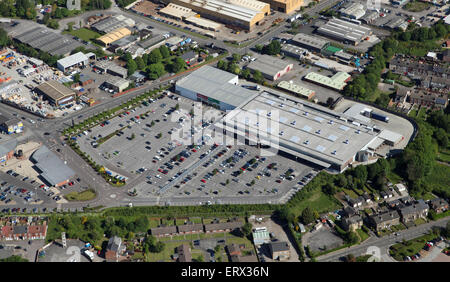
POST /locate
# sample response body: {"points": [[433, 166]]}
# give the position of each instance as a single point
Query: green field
{"points": [[362, 235], [444, 155], [84, 34], [319, 201], [81, 196], [416, 6], [438, 177]]}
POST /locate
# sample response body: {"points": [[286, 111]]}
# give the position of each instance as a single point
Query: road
{"points": [[384, 242]]}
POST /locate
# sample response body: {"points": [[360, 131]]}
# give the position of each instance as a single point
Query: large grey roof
{"points": [[268, 65], [53, 169], [8, 147], [278, 246], [214, 83], [309, 40], [73, 59], [344, 30]]}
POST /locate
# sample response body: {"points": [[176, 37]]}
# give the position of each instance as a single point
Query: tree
{"points": [[360, 172], [329, 189], [259, 48], [140, 63], [164, 50], [308, 215], [350, 258], [245, 73], [247, 229], [257, 76], [155, 56], [131, 66], [157, 247], [154, 71], [273, 48], [4, 39], [178, 65]]}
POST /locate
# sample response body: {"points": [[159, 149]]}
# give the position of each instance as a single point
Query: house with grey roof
{"points": [[383, 220], [279, 250], [113, 248], [163, 231], [439, 205], [414, 211], [353, 222]]}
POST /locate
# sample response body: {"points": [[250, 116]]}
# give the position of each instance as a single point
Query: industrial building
{"points": [[56, 93], [152, 43], [116, 83], [112, 23], [370, 17], [354, 11], [284, 6], [297, 89], [310, 42], [399, 23], [344, 57], [293, 51], [7, 150], [336, 82], [300, 130], [215, 87], [344, 31], [10, 125], [113, 36], [111, 68], [270, 67], [176, 12], [203, 23], [244, 14], [52, 169], [77, 59], [123, 43], [44, 39]]}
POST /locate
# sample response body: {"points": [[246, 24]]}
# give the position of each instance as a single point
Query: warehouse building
{"points": [[176, 12], [111, 68], [271, 68], [51, 168], [123, 43], [241, 13], [293, 51], [347, 32], [116, 83], [336, 82], [56, 93], [344, 57], [354, 11], [370, 17], [113, 36], [299, 130], [310, 42], [44, 39], [298, 90], [75, 60], [112, 23], [399, 23], [284, 6], [7, 150], [214, 87], [203, 23], [152, 43]]}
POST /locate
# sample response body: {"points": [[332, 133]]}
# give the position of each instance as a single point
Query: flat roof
{"points": [[55, 90], [113, 22], [337, 81], [175, 10], [205, 23], [54, 170], [268, 64], [344, 30], [116, 81], [317, 135], [73, 60], [309, 40], [390, 136], [215, 83], [355, 112], [151, 41], [297, 89]]}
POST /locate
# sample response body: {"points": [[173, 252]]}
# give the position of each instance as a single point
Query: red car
{"points": [[42, 186], [278, 180], [160, 170], [137, 117], [165, 171], [71, 183], [203, 180], [102, 124], [193, 150]]}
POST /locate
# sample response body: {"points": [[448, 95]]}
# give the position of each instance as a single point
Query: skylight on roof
{"points": [[343, 127], [307, 128], [295, 139], [332, 138], [270, 102], [283, 119], [320, 148], [319, 119], [294, 110]]}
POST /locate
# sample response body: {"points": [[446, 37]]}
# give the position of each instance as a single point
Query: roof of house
{"points": [[163, 230], [188, 55], [190, 227], [238, 258], [223, 226], [380, 218], [20, 229], [278, 246], [417, 207], [184, 253], [114, 244], [438, 202], [233, 248]]}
